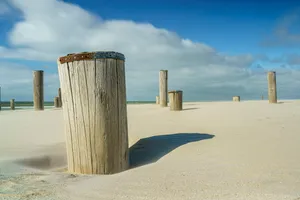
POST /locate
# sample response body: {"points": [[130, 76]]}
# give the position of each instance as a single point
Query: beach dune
{"points": [[209, 150]]}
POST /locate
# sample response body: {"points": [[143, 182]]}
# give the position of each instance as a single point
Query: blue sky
{"points": [[230, 37]]}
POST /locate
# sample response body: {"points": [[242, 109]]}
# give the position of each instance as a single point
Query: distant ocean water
{"points": [[5, 105]]}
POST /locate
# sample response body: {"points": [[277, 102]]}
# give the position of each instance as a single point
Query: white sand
{"points": [[254, 154]]}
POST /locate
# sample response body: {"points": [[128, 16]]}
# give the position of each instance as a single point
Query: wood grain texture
{"points": [[95, 115], [163, 88], [59, 97], [12, 104], [236, 98], [175, 100], [157, 99], [272, 91], [38, 90], [56, 102]]}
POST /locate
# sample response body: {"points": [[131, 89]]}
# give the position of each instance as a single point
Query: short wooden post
{"points": [[59, 98], [157, 99], [163, 88], [95, 112], [272, 91], [262, 97], [175, 100], [38, 90], [236, 98], [12, 104], [56, 102]]}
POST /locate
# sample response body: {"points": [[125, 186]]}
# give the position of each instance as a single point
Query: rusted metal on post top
{"points": [[90, 56], [175, 91]]}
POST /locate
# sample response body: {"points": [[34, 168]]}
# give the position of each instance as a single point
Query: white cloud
{"points": [[52, 28], [284, 35]]}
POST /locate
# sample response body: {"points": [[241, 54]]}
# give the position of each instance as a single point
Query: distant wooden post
{"points": [[175, 99], [236, 98], [12, 104], [56, 102], [262, 97], [163, 88], [272, 91], [59, 98], [157, 99], [95, 112], [0, 100], [38, 90]]}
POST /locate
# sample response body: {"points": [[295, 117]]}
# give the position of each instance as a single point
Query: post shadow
{"points": [[190, 108], [151, 149]]}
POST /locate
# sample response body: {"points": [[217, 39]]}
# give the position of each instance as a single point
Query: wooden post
{"points": [[38, 90], [95, 112], [175, 99], [272, 91], [0, 100], [236, 98], [157, 99], [163, 88], [56, 102], [59, 98], [12, 104], [262, 97]]}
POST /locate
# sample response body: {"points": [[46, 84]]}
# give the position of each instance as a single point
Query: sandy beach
{"points": [[210, 150]]}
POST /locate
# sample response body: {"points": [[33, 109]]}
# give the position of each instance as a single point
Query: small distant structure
{"points": [[56, 102], [175, 100], [12, 104], [236, 98], [262, 97], [157, 99], [59, 98]]}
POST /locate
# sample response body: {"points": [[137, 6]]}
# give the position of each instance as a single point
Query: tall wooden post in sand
{"points": [[56, 102], [272, 91], [157, 99], [38, 90], [59, 98], [163, 88], [236, 98], [175, 99], [95, 114], [12, 104]]}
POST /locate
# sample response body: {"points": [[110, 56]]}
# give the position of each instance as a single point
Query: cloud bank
{"points": [[52, 28]]}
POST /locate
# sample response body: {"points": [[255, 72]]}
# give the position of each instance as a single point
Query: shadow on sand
{"points": [[151, 149], [145, 151], [190, 108]]}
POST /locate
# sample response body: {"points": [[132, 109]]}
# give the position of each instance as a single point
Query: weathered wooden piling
{"points": [[236, 98], [163, 88], [272, 91], [175, 100], [95, 113], [59, 98], [157, 99], [12, 104], [38, 90], [56, 102]]}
